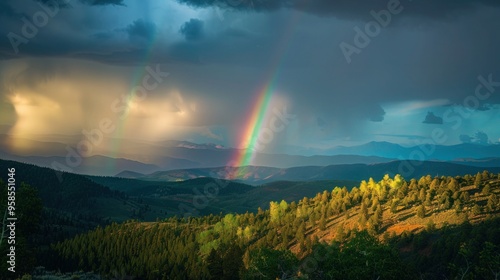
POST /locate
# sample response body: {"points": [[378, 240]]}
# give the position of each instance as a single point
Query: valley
{"points": [[197, 223]]}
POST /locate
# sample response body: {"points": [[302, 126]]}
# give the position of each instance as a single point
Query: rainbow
{"points": [[137, 77], [251, 131], [259, 108], [121, 126]]}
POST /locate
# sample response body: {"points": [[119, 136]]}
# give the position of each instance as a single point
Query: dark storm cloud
{"points": [[484, 107], [141, 29], [38, 72], [102, 2], [440, 59], [31, 28], [87, 2], [235, 32], [6, 9], [376, 113], [256, 5], [465, 138], [479, 138], [348, 8], [432, 119], [192, 29]]}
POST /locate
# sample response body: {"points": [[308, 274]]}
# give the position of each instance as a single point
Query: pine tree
{"points": [[431, 226], [486, 189], [428, 199], [379, 212], [421, 211], [340, 234], [457, 205], [394, 206], [477, 181], [322, 223], [453, 185], [492, 203], [308, 244], [375, 203], [476, 210], [422, 195], [364, 211], [447, 202], [274, 212], [214, 265], [465, 197], [300, 234], [232, 262]]}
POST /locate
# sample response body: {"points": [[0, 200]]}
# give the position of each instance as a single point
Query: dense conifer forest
{"points": [[426, 228]]}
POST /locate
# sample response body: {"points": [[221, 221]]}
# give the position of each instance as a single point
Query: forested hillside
{"points": [[430, 228], [72, 203]]}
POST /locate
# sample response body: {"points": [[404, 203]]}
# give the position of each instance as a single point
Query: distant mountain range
{"points": [[430, 151], [136, 158], [350, 172], [482, 162], [93, 165]]}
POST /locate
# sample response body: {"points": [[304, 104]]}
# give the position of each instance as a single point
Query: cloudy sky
{"points": [[349, 72]]}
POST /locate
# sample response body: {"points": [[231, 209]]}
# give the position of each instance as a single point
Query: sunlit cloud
{"points": [[69, 100], [412, 107]]}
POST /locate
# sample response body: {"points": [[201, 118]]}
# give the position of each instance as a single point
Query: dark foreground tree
{"points": [[267, 263], [361, 257]]}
